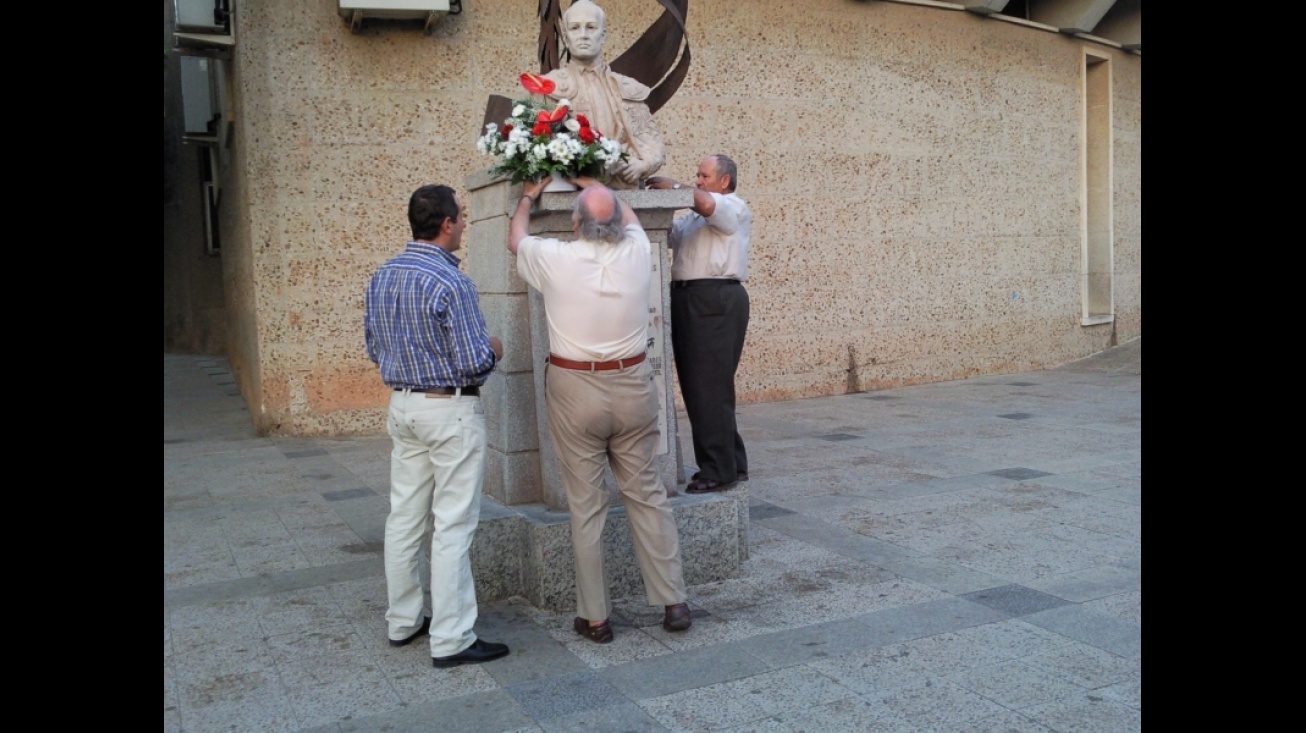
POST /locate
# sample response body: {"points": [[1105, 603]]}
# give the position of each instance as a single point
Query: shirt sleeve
{"points": [[370, 342], [369, 338], [460, 316], [637, 233], [528, 261], [725, 219]]}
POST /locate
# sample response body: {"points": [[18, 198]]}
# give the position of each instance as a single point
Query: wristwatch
{"points": [[676, 185]]}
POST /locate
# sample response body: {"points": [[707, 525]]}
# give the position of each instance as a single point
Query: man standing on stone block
{"points": [[709, 317], [601, 397], [424, 329]]}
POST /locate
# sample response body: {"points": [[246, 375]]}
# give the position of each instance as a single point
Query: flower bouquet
{"points": [[537, 142]]}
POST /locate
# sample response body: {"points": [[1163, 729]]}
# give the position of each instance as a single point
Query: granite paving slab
{"points": [[892, 583]]}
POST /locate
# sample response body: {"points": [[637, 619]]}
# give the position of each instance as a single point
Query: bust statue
{"points": [[613, 103]]}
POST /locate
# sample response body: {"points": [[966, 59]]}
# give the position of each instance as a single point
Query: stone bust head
{"points": [[584, 27]]}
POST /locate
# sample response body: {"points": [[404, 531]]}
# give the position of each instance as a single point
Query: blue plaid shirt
{"points": [[423, 323]]}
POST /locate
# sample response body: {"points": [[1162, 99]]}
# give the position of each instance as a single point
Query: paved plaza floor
{"points": [[959, 556]]}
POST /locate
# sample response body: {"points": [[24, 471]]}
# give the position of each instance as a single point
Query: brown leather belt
{"points": [[596, 366]]}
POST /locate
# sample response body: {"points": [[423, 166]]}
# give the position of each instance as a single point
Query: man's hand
{"points": [[497, 346], [533, 188], [583, 181], [660, 182]]}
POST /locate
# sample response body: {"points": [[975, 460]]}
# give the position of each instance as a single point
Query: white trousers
{"points": [[436, 470]]}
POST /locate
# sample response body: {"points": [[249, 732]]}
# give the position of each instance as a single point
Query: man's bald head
{"points": [[597, 215]]}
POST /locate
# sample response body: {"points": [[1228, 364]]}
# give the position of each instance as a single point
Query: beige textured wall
{"points": [[913, 173]]}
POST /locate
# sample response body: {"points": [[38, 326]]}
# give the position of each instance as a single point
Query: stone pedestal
{"points": [[524, 542]]}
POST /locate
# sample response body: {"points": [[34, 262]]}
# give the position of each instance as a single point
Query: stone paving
{"points": [[960, 556]]}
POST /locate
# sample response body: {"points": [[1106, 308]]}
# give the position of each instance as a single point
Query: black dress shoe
{"points": [[706, 486], [426, 629], [743, 475], [479, 651]]}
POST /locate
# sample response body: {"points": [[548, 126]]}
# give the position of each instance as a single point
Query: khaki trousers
{"points": [[610, 418]]}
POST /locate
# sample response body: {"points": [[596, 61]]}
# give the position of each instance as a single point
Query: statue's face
{"points": [[585, 32]]}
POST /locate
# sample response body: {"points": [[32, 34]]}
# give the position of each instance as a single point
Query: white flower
{"points": [[572, 125], [519, 110], [611, 150], [491, 127], [560, 151], [564, 102]]}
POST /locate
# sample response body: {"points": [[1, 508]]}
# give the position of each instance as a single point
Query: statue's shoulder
{"points": [[566, 85], [631, 90], [563, 81]]}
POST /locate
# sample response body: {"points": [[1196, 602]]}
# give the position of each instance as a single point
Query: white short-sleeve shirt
{"points": [[712, 247], [596, 294]]}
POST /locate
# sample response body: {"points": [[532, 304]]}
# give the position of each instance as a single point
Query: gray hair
{"points": [[590, 228], [726, 167]]}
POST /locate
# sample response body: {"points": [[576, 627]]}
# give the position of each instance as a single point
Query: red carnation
{"points": [[505, 130], [587, 135], [541, 128], [583, 122]]}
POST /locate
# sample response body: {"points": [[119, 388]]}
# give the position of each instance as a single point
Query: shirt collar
{"points": [[433, 251]]}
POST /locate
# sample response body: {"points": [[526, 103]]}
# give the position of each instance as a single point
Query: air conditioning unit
{"points": [[428, 11]]}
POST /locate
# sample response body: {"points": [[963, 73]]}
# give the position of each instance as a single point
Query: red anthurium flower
{"points": [[541, 128], [557, 115], [587, 135], [536, 84]]}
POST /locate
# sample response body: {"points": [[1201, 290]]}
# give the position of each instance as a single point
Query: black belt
{"points": [[705, 281], [472, 391]]}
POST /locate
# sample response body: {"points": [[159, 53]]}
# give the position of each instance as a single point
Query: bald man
{"points": [[600, 394]]}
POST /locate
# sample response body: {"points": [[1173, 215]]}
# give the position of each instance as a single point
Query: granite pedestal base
{"points": [[525, 550]]}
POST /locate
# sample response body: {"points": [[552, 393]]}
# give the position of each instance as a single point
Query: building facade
{"points": [[940, 190]]}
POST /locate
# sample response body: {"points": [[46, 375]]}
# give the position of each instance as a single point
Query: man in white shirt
{"points": [[601, 396], [709, 317]]}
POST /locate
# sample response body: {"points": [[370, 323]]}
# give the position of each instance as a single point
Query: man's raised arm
{"points": [[520, 226]]}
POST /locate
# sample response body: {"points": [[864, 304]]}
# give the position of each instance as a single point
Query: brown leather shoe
{"points": [[601, 633], [677, 618]]}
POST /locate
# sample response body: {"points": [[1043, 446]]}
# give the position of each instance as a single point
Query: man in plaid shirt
{"points": [[424, 328]]}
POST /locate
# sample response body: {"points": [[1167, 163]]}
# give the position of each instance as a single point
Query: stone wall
{"points": [[914, 174]]}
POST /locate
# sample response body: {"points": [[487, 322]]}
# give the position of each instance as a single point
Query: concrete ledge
{"points": [[525, 550]]}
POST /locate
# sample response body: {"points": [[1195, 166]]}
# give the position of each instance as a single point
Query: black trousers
{"points": [[708, 322]]}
